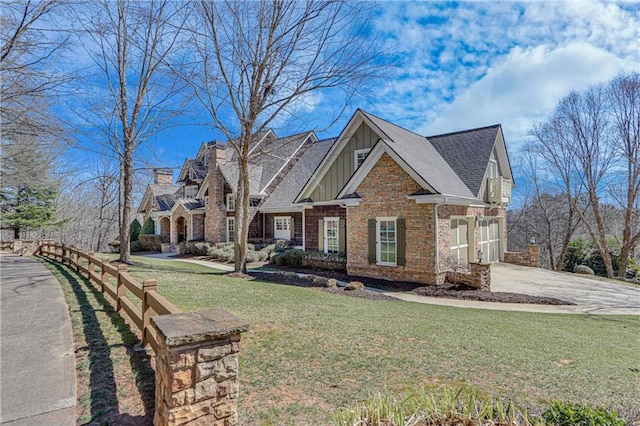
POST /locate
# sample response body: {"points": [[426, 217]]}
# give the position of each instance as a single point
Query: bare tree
{"points": [[30, 47], [591, 143], [624, 93], [555, 187], [130, 42], [259, 61]]}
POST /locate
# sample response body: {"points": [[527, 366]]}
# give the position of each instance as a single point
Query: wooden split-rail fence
{"points": [[116, 282]]}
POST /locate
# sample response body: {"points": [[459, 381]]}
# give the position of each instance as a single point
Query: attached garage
{"points": [[489, 240]]}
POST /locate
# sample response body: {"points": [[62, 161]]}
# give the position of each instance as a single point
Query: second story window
{"points": [[190, 191], [231, 202]]}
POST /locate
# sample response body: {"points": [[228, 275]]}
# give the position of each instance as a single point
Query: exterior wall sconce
{"points": [[532, 240], [479, 217], [480, 256]]}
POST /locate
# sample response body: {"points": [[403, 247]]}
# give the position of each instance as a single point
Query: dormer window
{"points": [[190, 191], [358, 157], [231, 202]]}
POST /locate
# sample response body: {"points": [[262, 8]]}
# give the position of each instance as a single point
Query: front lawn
{"points": [[309, 353]]}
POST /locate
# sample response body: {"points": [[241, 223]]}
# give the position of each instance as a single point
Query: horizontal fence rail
{"points": [[140, 301]]}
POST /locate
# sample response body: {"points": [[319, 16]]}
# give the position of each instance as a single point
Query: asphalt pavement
{"points": [[37, 360]]}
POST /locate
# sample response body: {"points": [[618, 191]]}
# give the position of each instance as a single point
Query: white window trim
{"points": [[275, 226], [379, 244], [355, 156], [229, 198], [326, 239], [189, 191], [230, 234], [468, 246]]}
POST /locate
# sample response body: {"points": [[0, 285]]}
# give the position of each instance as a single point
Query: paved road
{"points": [[590, 295], [37, 362]]}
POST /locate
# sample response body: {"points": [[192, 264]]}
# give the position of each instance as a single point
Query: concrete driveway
{"points": [[591, 296]]}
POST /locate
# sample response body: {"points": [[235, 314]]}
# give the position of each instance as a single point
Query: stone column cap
{"points": [[200, 326]]}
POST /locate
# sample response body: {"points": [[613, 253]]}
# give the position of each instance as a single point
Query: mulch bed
{"points": [[449, 291]]}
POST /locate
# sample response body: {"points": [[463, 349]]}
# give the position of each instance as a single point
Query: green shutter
{"points": [[371, 234], [400, 241], [342, 233], [320, 235]]}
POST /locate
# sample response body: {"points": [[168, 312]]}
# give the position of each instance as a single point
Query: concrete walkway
{"points": [[37, 360]]}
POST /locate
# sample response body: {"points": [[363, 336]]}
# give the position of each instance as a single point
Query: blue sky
{"points": [[464, 65]]}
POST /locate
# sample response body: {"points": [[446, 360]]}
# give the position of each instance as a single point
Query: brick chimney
{"points": [[162, 176], [215, 222]]}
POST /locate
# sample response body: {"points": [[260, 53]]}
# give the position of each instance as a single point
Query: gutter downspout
{"points": [[437, 234]]}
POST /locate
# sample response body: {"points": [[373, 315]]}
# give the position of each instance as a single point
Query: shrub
{"points": [[290, 275], [320, 281], [114, 246], [569, 414], [331, 283], [134, 231], [135, 246], [434, 407], [148, 228], [150, 242], [199, 248], [290, 258], [253, 256], [354, 285]]}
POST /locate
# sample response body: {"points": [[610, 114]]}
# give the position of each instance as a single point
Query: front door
{"points": [[331, 241], [282, 228]]}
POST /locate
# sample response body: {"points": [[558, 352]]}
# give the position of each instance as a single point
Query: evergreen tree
{"points": [[29, 209]]}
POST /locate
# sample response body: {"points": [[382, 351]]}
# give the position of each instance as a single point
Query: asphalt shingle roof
{"points": [[287, 191], [419, 154], [265, 163], [467, 153]]}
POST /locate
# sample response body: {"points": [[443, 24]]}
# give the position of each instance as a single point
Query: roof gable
{"points": [[468, 153]]}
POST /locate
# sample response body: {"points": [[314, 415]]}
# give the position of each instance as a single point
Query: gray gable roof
{"points": [[468, 153], [166, 201], [265, 163], [286, 192], [419, 154]]}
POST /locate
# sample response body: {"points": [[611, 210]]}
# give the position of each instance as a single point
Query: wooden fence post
{"points": [[121, 290], [104, 277], [147, 285]]}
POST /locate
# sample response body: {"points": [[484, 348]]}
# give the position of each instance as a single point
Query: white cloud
{"points": [[525, 86]]}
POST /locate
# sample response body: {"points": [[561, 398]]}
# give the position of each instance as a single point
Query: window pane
{"points": [[454, 232], [463, 236]]}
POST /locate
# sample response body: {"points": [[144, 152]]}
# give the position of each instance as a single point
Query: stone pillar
{"points": [[481, 273], [197, 368], [533, 254], [17, 247]]}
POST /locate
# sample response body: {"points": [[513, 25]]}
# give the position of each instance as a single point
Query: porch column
{"points": [[171, 239], [304, 228]]}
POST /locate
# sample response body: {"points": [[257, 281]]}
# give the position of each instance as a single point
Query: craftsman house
{"points": [[398, 205]]}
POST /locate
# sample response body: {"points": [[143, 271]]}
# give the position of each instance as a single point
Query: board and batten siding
{"points": [[342, 169]]}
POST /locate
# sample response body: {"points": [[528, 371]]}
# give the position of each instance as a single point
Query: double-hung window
{"points": [[231, 202], [387, 246], [460, 242], [231, 225]]}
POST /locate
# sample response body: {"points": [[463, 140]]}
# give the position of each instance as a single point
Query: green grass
{"points": [[115, 384], [309, 353]]}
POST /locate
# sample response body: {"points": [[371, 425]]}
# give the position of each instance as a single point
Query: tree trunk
{"points": [[242, 205], [127, 183]]}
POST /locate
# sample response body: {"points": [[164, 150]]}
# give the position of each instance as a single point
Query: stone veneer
{"points": [[215, 228], [384, 193], [479, 276], [529, 257], [197, 368]]}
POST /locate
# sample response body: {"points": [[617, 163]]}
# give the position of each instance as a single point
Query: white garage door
{"points": [[490, 240]]}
